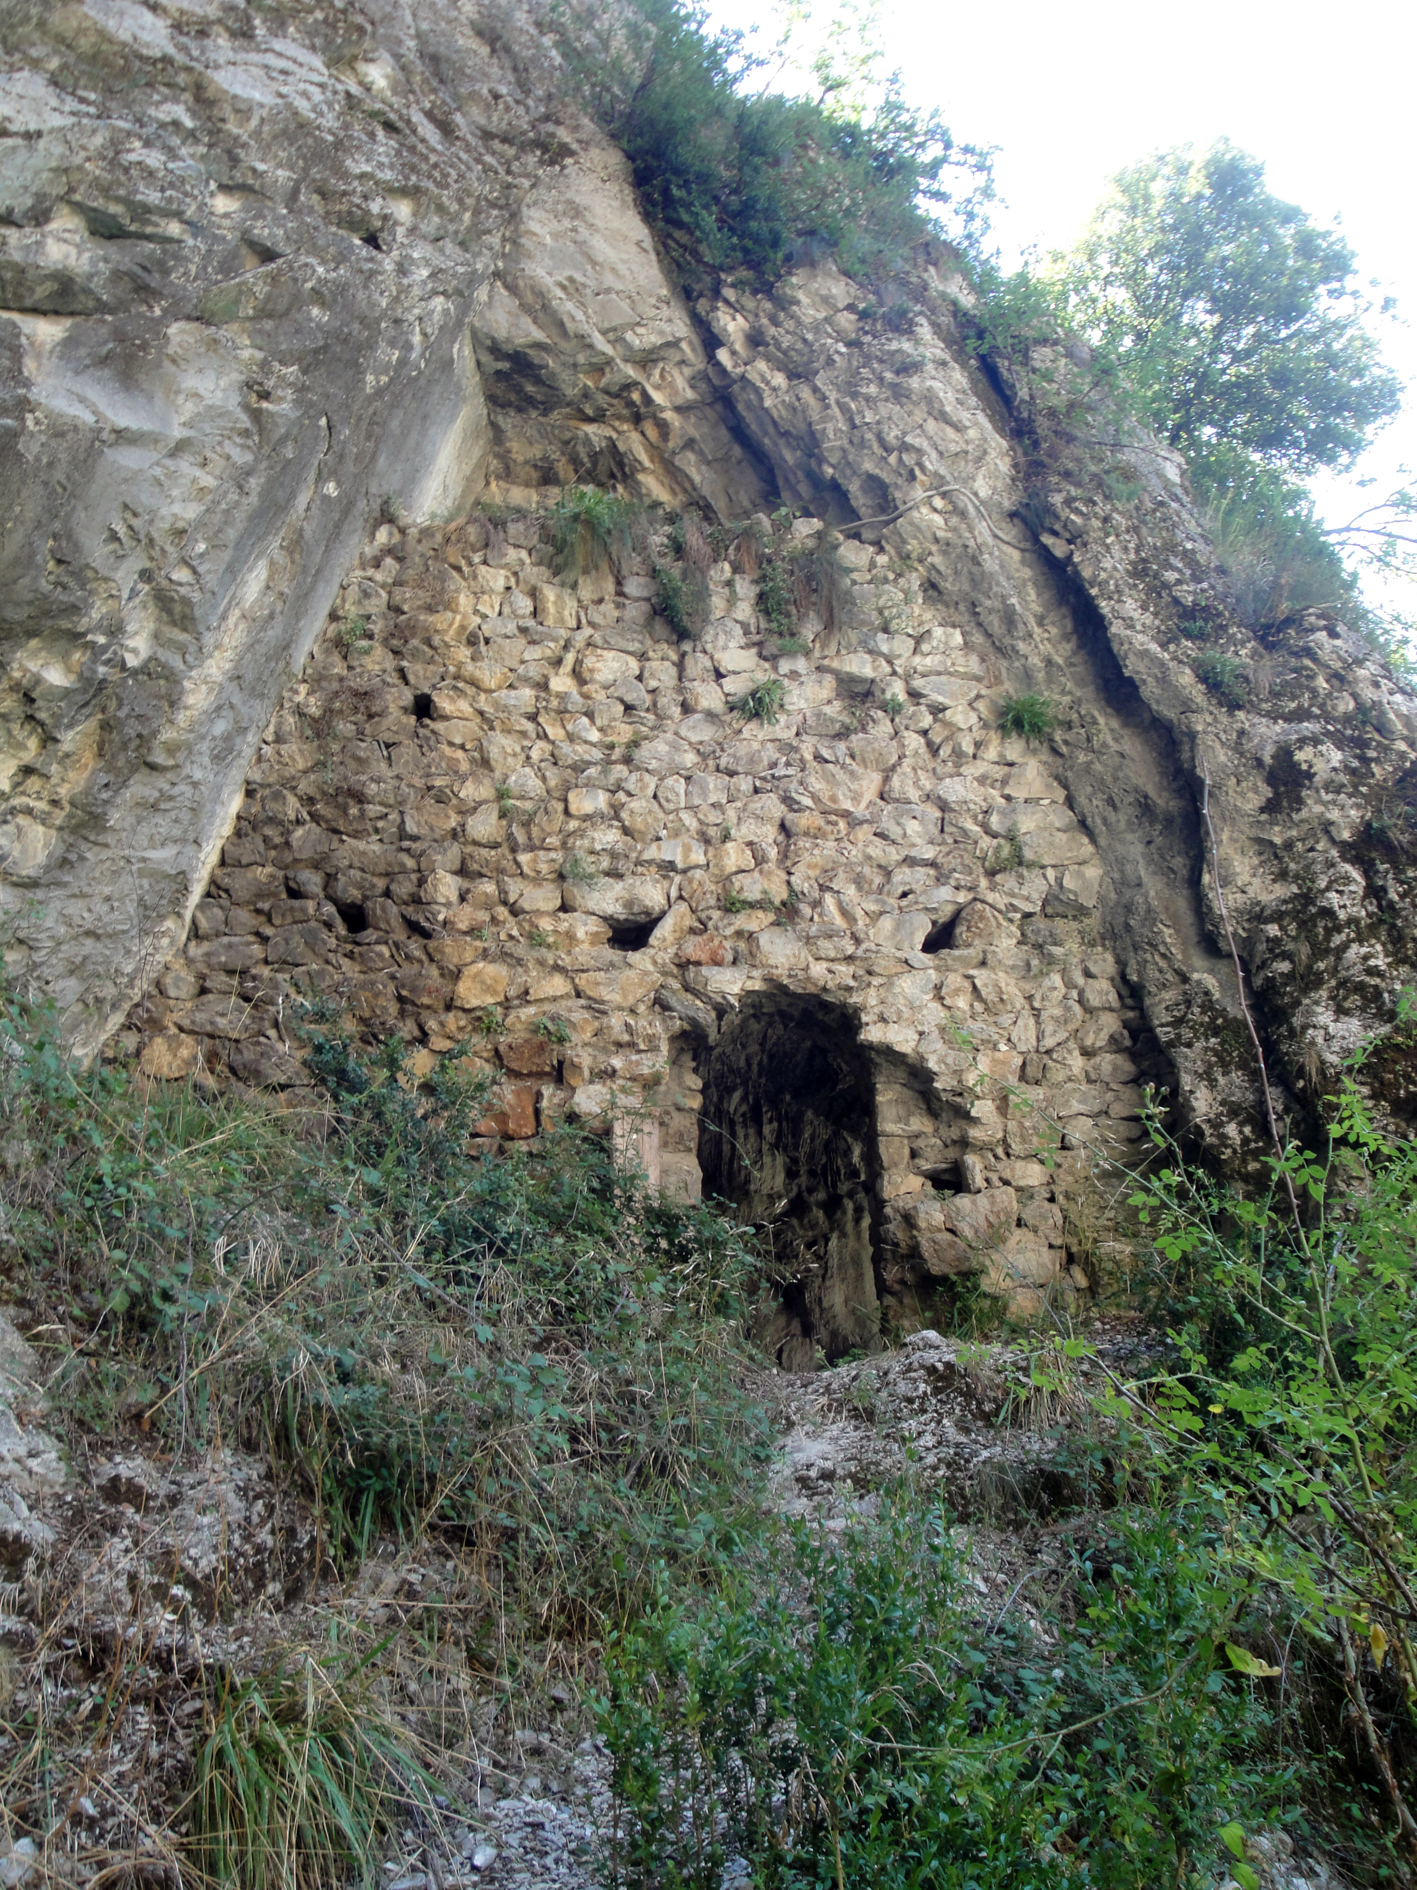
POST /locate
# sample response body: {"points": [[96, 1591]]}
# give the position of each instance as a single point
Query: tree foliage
{"points": [[1238, 319]]}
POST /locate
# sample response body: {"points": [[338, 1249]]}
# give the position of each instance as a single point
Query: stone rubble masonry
{"points": [[456, 829]]}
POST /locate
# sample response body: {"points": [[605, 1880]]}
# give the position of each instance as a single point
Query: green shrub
{"points": [[278, 1278], [846, 1712], [593, 529], [777, 600], [553, 1029], [1033, 717], [682, 600], [1291, 1399], [577, 870]]}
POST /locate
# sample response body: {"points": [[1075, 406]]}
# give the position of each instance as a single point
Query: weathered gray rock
{"points": [[249, 264]]}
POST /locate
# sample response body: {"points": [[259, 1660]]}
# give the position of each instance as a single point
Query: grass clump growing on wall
{"points": [[593, 528], [1032, 717]]}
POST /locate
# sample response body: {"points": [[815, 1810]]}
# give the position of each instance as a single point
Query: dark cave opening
{"points": [[787, 1135], [632, 938]]}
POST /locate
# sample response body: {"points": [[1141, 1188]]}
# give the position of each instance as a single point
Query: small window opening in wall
{"points": [[353, 915], [632, 938], [370, 240], [937, 939], [946, 1179], [423, 707]]}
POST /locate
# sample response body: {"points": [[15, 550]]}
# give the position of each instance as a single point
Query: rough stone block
{"points": [[1099, 996], [621, 901], [515, 1115], [480, 984], [680, 854], [766, 887], [171, 1056], [222, 1014], [706, 790], [623, 989], [1023, 1260], [979, 1219], [730, 856], [841, 788], [555, 607], [776, 948], [253, 886], [902, 931], [537, 896], [267, 1065], [527, 1056], [225, 954], [1056, 849], [586, 803], [642, 818], [707, 949], [676, 924]]}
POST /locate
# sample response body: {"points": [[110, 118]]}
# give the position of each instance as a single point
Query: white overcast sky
{"points": [[1070, 93]]}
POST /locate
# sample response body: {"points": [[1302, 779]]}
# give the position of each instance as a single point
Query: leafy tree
{"points": [[1238, 320]]}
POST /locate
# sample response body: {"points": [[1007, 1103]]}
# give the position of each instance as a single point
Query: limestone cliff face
{"points": [[269, 276]]}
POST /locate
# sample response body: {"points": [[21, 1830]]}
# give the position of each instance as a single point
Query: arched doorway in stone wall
{"points": [[787, 1134]]}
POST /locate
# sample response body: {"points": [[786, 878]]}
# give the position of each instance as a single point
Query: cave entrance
{"points": [[788, 1136]]}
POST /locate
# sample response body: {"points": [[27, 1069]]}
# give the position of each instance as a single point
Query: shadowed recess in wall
{"points": [[788, 1136]]}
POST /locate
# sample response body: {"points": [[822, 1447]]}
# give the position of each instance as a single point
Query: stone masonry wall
{"points": [[501, 811]]}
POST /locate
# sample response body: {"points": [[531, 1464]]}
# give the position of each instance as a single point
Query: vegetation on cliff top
{"points": [[740, 181], [1222, 317]]}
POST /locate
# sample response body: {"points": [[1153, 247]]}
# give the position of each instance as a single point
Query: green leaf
{"points": [[1232, 1836], [1245, 1877], [1243, 1661]]}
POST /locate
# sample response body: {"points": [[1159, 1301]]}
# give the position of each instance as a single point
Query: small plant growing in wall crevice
{"points": [[593, 528], [763, 701], [1033, 717], [1225, 677], [354, 638], [682, 600]]}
